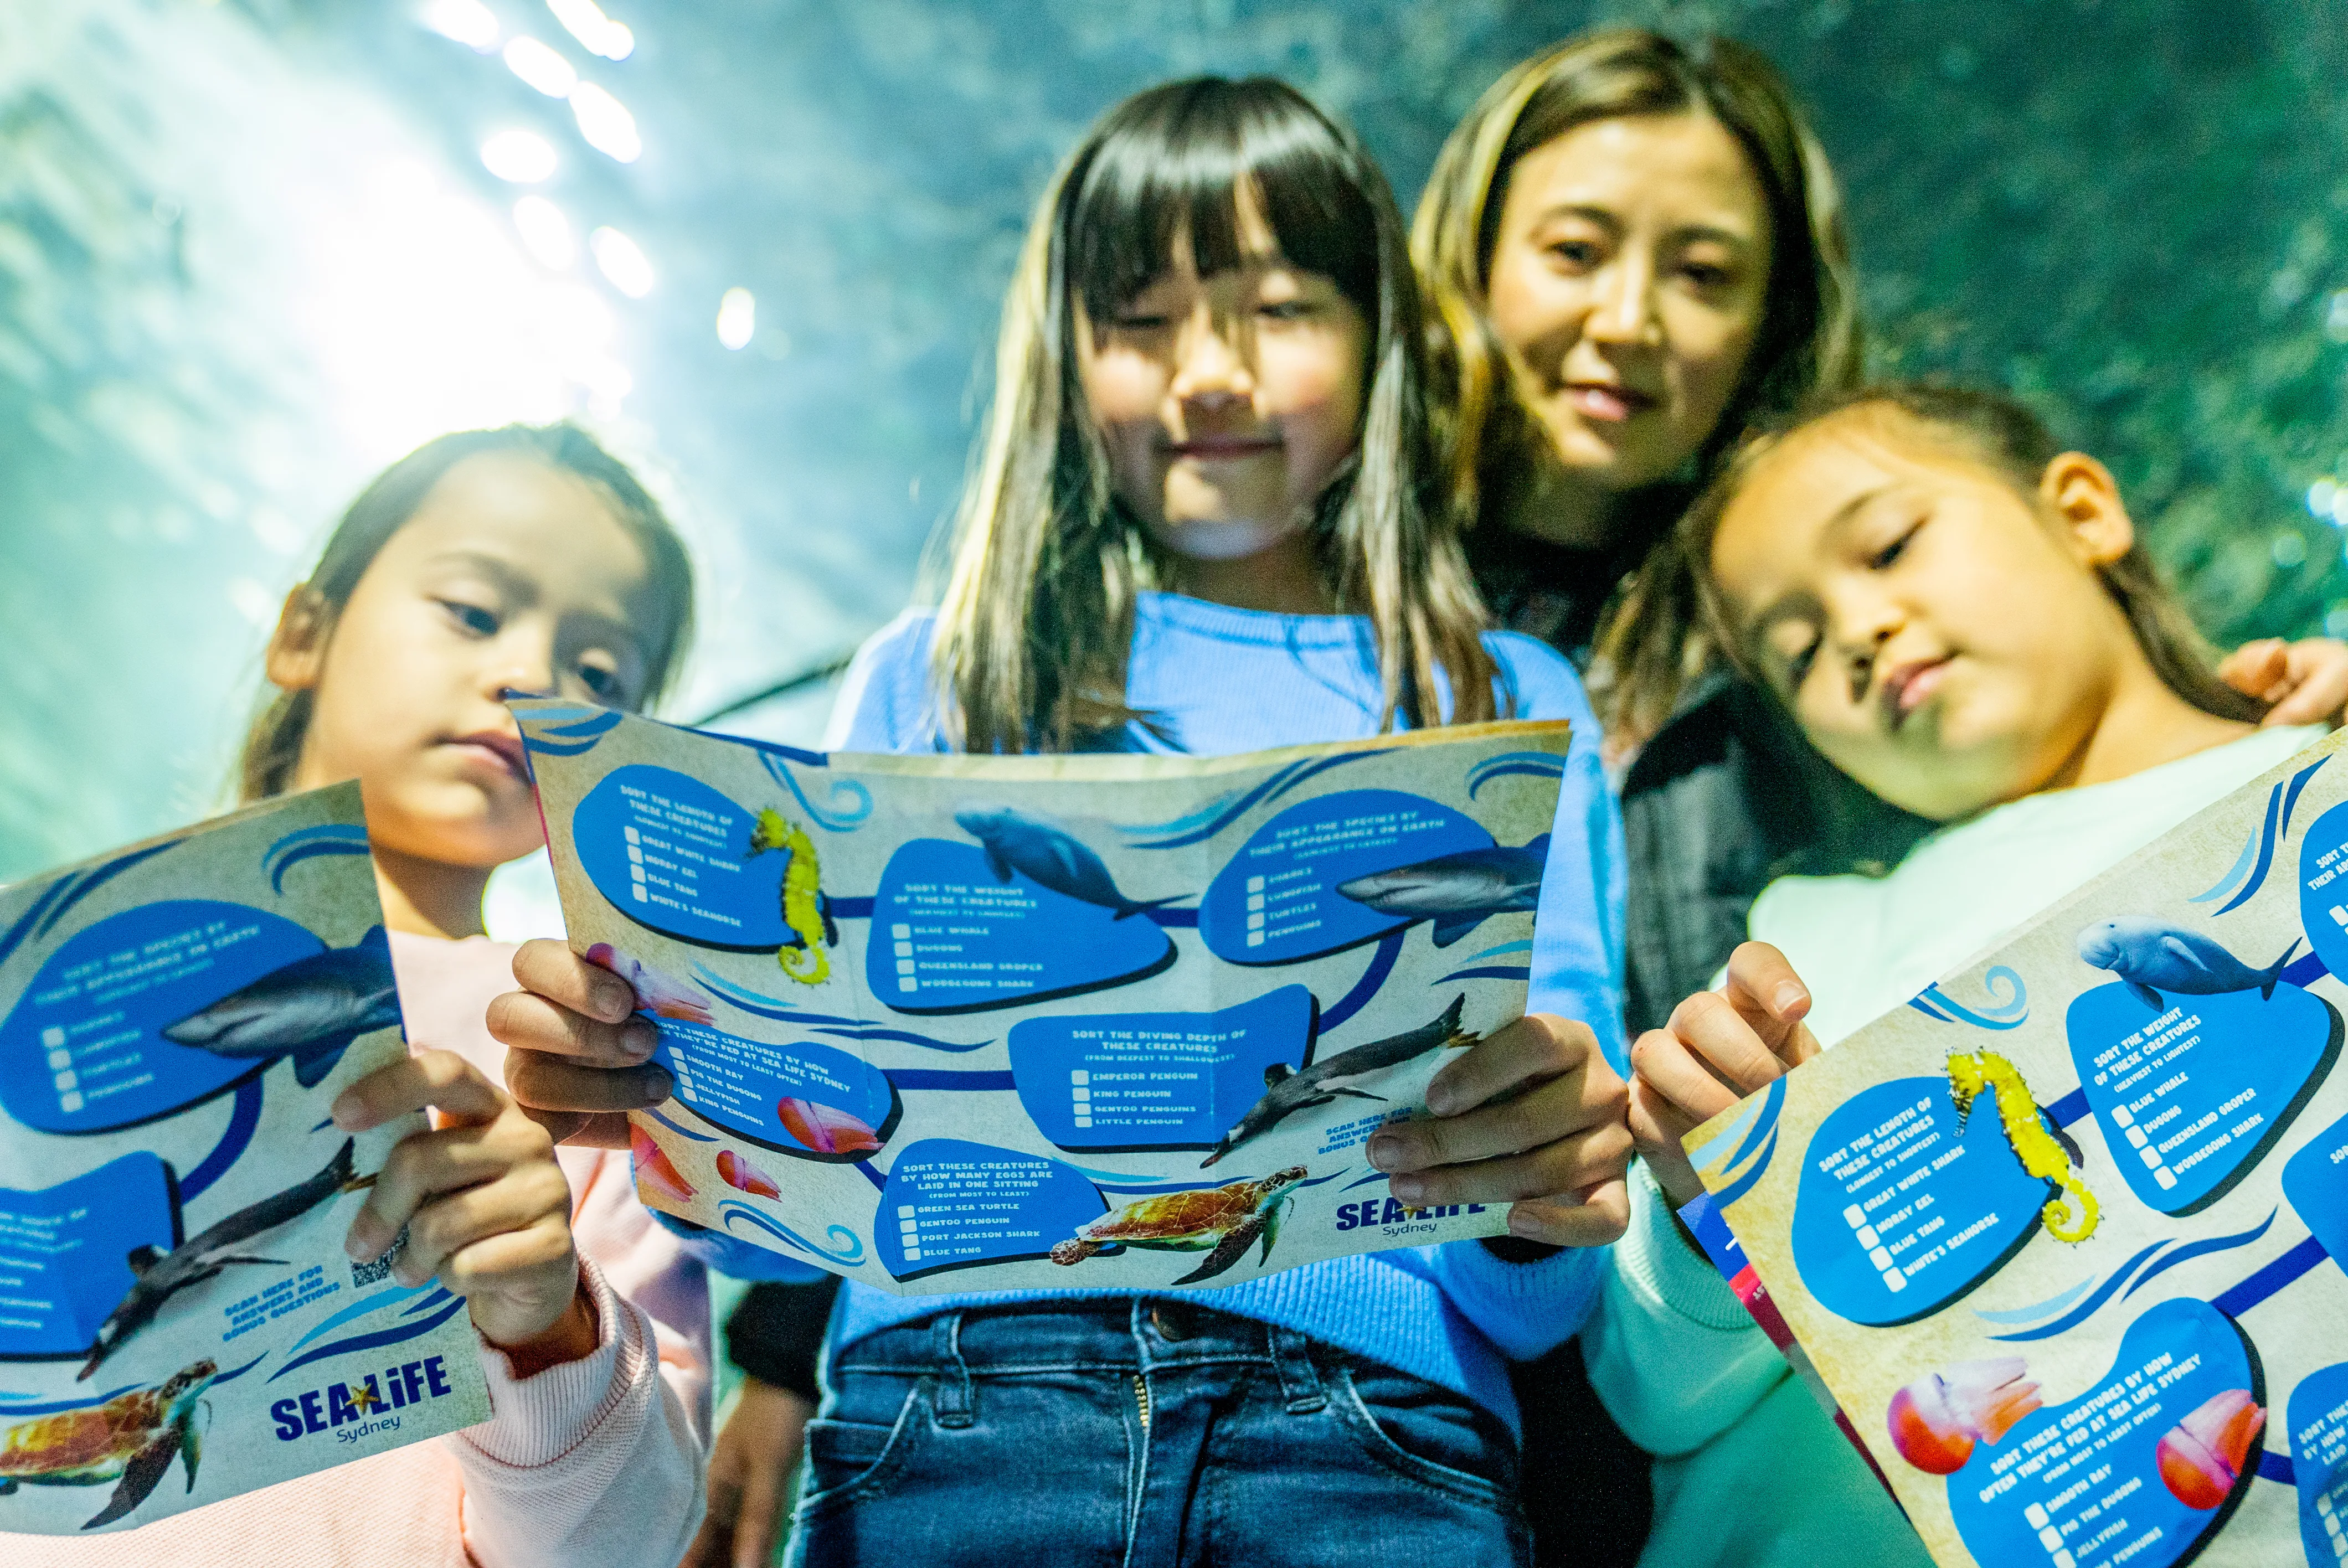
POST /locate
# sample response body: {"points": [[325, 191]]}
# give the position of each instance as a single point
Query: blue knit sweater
{"points": [[1218, 679]]}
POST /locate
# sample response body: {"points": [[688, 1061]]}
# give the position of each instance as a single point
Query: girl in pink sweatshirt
{"points": [[516, 561]]}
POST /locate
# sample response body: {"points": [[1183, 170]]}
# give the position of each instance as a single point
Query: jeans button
{"points": [[1174, 1321]]}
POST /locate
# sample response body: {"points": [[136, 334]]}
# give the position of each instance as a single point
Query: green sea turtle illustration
{"points": [[132, 1438], [1221, 1221]]}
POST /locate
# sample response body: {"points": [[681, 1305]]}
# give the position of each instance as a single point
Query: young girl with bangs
{"points": [[1959, 616], [517, 560], [1202, 521]]}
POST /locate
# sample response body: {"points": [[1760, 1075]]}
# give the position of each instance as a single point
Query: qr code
{"points": [[365, 1274]]}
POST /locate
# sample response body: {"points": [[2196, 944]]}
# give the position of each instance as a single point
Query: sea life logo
{"points": [[352, 1410]]}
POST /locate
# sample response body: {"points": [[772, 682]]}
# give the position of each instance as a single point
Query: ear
{"points": [[297, 648], [2084, 499]]}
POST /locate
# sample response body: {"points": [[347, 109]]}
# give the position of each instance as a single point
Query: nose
{"points": [[522, 664], [1211, 371], [1861, 625], [1623, 313]]}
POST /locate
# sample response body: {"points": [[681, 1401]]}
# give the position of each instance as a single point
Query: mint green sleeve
{"points": [[1673, 1354]]}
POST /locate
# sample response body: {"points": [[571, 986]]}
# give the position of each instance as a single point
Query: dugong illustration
{"points": [[2152, 956], [1459, 891], [1049, 856]]}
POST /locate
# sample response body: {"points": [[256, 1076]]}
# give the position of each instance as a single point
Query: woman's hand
{"points": [[1532, 1116], [576, 1057], [1718, 1048], [2307, 680], [750, 1467], [484, 1205]]}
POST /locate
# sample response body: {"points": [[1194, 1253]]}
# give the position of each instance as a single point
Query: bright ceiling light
{"points": [[606, 123], [595, 32], [523, 157], [546, 232], [622, 263], [469, 22], [737, 318], [541, 68]]}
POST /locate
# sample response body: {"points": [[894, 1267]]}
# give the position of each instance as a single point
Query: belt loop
{"points": [[1300, 1379], [952, 1400]]}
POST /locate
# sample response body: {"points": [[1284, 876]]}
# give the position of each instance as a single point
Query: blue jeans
{"points": [[1141, 1434]]}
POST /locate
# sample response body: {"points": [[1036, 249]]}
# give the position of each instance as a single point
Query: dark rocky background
{"points": [[249, 252]]}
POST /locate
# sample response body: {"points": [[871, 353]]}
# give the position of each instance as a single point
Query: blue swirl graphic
{"points": [[1744, 1183], [92, 1400], [841, 817], [2234, 873], [67, 892], [1492, 972], [2008, 1011], [566, 732], [391, 1295], [244, 1119], [2036, 1310], [851, 1248], [1381, 963], [1535, 765], [2202, 1248], [2087, 1308], [2278, 822], [376, 1340], [680, 1131], [1264, 794], [905, 1037]]}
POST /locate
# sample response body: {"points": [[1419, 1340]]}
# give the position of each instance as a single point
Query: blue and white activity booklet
{"points": [[179, 1323], [2065, 1234], [946, 1023]]}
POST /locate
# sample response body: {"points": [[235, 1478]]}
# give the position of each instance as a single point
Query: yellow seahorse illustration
{"points": [[2069, 1217], [803, 910]]}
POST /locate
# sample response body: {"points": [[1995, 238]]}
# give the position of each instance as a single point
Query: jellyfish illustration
{"points": [[655, 1171], [826, 1129], [1936, 1421], [745, 1177], [2201, 1457], [659, 993]]}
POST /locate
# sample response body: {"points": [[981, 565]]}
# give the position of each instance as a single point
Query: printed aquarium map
{"points": [[2065, 1235], [177, 1321], [944, 1024]]}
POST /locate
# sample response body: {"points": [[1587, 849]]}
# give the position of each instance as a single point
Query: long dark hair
{"points": [[1038, 617], [273, 746], [1810, 333]]}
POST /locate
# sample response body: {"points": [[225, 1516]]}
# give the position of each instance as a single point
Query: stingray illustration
{"points": [[310, 1009], [1287, 1091]]}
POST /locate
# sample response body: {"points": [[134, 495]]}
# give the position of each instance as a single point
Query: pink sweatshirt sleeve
{"points": [[591, 1464]]}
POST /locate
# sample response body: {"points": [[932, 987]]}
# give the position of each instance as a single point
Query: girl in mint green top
{"points": [[1957, 613]]}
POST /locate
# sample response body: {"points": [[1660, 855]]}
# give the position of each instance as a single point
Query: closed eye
{"points": [[1286, 310], [1891, 552], [1797, 668]]}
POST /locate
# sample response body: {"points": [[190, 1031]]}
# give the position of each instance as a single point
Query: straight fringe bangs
{"points": [[1038, 614]]}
